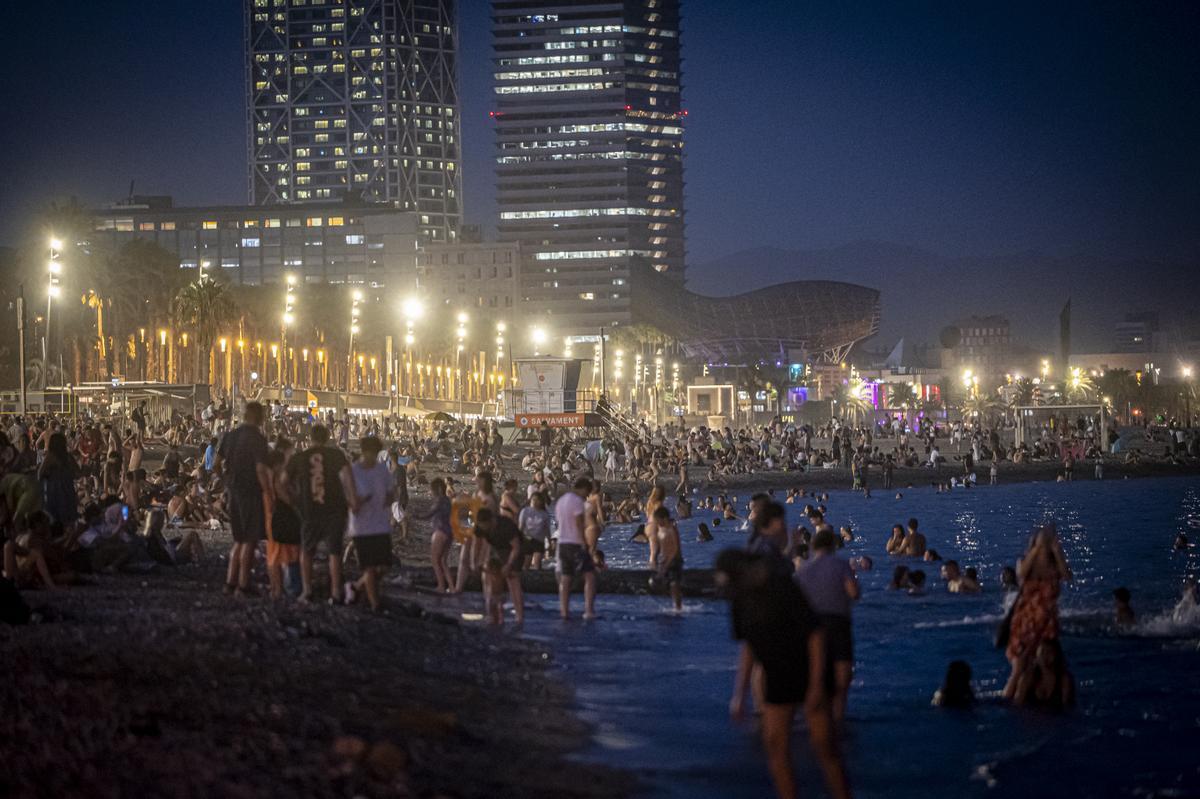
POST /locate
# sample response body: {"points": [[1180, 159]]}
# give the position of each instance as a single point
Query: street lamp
{"points": [[357, 299], [52, 291], [461, 336], [412, 310], [538, 335], [288, 319]]}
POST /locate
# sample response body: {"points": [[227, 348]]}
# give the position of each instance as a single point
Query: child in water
{"points": [[956, 689], [1123, 611]]}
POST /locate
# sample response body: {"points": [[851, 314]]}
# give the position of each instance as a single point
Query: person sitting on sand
{"points": [[1122, 610], [956, 689]]}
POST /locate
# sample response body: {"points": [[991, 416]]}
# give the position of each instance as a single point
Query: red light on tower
{"points": [[628, 108]]}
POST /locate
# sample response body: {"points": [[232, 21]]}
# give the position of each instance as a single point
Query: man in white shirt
{"points": [[573, 555]]}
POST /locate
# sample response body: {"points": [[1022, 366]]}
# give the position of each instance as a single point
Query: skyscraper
{"points": [[355, 99], [589, 140]]}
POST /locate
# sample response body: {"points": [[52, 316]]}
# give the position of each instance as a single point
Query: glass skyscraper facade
{"points": [[355, 100], [589, 150]]}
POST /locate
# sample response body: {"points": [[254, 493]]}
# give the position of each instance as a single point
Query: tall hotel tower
{"points": [[589, 138], [355, 99]]}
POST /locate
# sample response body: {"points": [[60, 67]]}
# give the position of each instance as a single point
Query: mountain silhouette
{"points": [[922, 291]]}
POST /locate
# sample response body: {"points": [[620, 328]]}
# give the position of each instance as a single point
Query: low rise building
{"points": [[374, 245]]}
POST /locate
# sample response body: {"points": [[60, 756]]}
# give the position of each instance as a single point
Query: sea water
{"points": [[656, 685]]}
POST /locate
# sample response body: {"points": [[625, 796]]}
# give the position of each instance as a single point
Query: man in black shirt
{"points": [[504, 563], [242, 461], [779, 630], [323, 485]]}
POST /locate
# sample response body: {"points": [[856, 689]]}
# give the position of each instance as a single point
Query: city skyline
{"points": [[589, 151], [360, 105]]}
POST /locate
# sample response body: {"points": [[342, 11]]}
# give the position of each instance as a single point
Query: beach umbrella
{"points": [[439, 416]]}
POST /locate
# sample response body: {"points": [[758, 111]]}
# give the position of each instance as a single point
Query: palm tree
{"points": [[1079, 385], [204, 306], [980, 405], [856, 398], [1120, 387], [902, 395]]}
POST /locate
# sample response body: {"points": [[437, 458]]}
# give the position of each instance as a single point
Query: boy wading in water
{"points": [[573, 555], [779, 630], [670, 555]]}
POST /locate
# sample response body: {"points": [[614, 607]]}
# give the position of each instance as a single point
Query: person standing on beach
{"points": [[831, 588], [371, 521], [503, 567], [323, 486], [242, 461], [573, 555], [780, 632]]}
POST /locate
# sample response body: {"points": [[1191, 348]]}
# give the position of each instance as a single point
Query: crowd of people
{"points": [[295, 489]]}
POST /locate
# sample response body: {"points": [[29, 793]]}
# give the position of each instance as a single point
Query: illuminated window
{"points": [[254, 242], [314, 221], [272, 223], [145, 226], [354, 238], [167, 226], [334, 221], [209, 224]]}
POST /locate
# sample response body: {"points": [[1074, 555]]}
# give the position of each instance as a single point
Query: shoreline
{"points": [[916, 476], [160, 685]]}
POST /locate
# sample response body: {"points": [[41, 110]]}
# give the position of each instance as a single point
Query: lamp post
{"points": [[538, 335], [1187, 397], [412, 310], [461, 336], [288, 318], [501, 327], [52, 290], [357, 300]]}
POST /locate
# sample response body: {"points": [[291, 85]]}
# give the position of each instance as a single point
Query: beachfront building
{"points": [[589, 151], [978, 347], [355, 99], [472, 276], [254, 245]]}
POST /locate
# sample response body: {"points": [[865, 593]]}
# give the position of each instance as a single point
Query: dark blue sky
{"points": [[964, 128]]}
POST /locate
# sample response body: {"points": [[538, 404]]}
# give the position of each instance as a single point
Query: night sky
{"points": [[961, 128]]}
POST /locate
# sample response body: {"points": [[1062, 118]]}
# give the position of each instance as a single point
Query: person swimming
{"points": [[862, 563], [639, 535], [899, 579], [1181, 543], [1122, 611], [704, 534], [956, 689], [916, 580], [1008, 579]]}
